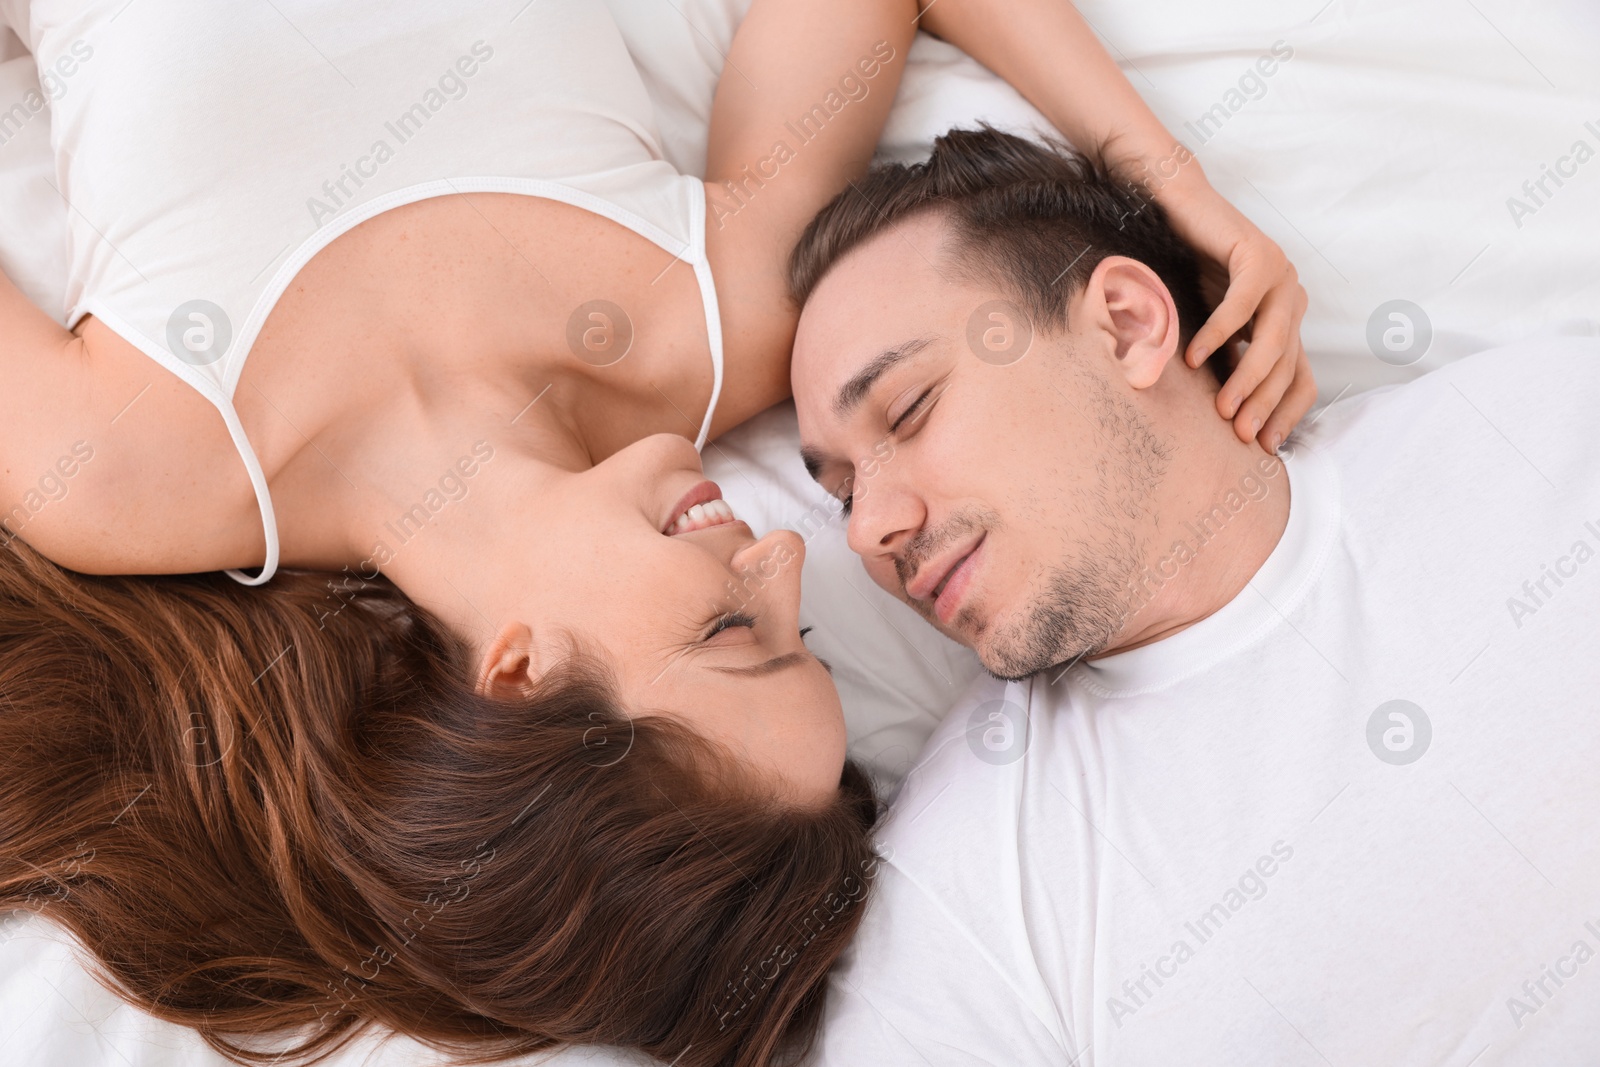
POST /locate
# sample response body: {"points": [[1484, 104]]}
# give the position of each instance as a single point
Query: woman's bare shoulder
{"points": [[114, 465]]}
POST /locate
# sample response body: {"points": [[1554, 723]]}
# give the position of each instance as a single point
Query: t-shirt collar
{"points": [[1262, 605]]}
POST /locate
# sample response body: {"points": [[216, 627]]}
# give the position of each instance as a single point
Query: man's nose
{"points": [[884, 514]]}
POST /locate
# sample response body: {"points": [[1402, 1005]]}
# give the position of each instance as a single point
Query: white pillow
{"points": [[1381, 155], [53, 1013]]}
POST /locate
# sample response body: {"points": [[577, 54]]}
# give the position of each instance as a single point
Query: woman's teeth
{"points": [[711, 513]]}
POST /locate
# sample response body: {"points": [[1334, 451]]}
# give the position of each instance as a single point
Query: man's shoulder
{"points": [[943, 963], [1537, 396], [957, 817], [976, 751]]}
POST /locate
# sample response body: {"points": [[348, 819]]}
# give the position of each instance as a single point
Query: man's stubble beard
{"points": [[1088, 592]]}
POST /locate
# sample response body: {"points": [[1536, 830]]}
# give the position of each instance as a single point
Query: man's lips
{"points": [[956, 584], [925, 584]]}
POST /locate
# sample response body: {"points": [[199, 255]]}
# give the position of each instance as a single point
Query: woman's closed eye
{"points": [[728, 621]]}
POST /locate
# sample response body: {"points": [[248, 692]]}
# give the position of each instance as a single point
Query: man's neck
{"points": [[1223, 511]]}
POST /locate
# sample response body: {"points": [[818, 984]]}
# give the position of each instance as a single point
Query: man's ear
{"points": [[511, 664], [1132, 305]]}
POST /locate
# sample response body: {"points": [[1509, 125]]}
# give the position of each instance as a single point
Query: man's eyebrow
{"points": [[773, 665], [852, 392]]}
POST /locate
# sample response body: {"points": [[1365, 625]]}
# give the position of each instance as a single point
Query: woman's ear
{"points": [[1136, 310], [510, 665]]}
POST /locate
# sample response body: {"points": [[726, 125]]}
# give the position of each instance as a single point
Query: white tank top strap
{"points": [[694, 254], [258, 482], [258, 478], [708, 299]]}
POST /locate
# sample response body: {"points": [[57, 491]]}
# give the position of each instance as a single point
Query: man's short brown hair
{"points": [[1034, 218]]}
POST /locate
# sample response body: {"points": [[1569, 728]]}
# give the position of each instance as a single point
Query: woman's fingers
{"points": [[1256, 269], [1271, 387], [1250, 423], [1245, 291], [1263, 397], [1302, 393], [1272, 338]]}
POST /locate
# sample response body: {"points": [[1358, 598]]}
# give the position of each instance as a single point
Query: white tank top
{"points": [[208, 150]]}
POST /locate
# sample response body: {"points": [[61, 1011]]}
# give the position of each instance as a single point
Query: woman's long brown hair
{"points": [[280, 816]]}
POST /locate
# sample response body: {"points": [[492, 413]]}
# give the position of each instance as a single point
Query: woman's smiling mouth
{"points": [[698, 509], [701, 516]]}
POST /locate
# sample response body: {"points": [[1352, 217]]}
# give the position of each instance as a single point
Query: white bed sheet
{"points": [[1381, 156]]}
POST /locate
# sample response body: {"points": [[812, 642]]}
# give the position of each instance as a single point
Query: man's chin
{"points": [[1004, 659], [1005, 674], [966, 629], [1012, 668], [995, 654], [1006, 652], [1014, 654]]}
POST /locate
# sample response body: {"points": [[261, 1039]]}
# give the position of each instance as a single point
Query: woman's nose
{"points": [[769, 571], [778, 552]]}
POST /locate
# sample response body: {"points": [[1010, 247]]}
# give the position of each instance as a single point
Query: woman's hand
{"points": [[1271, 387]]}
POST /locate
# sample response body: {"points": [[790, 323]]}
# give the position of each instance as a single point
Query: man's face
{"points": [[1000, 484]]}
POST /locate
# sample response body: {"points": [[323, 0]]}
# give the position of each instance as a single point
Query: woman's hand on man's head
{"points": [[1271, 386]]}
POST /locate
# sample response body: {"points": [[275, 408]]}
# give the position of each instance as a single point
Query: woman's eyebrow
{"points": [[773, 665]]}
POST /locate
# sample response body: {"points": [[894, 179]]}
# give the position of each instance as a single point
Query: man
{"points": [[1286, 760]]}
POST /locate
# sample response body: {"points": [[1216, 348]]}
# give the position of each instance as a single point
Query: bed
{"points": [[1400, 152]]}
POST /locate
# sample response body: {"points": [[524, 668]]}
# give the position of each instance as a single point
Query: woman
{"points": [[478, 312]]}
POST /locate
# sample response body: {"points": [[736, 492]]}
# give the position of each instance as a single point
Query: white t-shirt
{"points": [[1351, 818]]}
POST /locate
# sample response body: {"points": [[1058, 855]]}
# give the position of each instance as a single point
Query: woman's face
{"points": [[641, 559]]}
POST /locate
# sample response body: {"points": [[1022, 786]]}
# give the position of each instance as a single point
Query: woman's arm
{"points": [[108, 463], [41, 371], [1047, 51], [799, 109]]}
